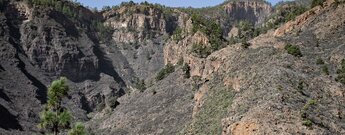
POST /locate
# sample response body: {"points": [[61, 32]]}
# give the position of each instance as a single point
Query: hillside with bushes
{"points": [[243, 67]]}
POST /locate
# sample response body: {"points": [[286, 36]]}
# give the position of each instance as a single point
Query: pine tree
{"points": [[54, 117], [78, 129]]}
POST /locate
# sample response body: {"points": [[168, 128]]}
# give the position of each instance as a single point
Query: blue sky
{"points": [[171, 3]]}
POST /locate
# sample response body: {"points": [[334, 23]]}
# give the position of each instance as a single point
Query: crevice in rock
{"points": [[106, 66], [8, 120], [13, 23], [4, 96], [2, 68], [41, 92], [85, 104]]}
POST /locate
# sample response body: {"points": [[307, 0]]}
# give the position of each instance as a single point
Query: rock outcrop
{"points": [[253, 11], [139, 31], [302, 20]]}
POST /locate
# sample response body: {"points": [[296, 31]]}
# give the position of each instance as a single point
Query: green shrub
{"points": [[78, 129], [200, 50], [306, 108], [325, 69], [211, 29], [341, 73], [296, 11], [112, 102], [315, 3], [169, 68], [245, 45], [319, 61], [246, 31], [310, 103], [127, 4], [245, 25], [177, 34], [307, 123], [279, 87], [293, 50], [57, 5], [186, 70], [140, 85], [196, 78], [300, 86]]}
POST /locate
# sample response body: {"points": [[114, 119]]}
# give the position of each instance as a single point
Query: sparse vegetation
{"points": [[177, 34], [283, 15], [337, 2], [307, 123], [55, 117], [341, 73], [319, 61], [186, 70], [73, 10], [129, 3], [200, 50], [169, 68], [325, 70], [245, 45], [310, 103], [104, 31], [112, 102], [140, 85], [78, 129], [306, 108], [246, 31], [315, 3], [293, 50], [296, 11], [300, 86], [57, 5], [208, 118], [279, 87], [212, 30], [213, 58]]}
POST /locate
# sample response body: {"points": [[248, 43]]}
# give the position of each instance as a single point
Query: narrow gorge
{"points": [[243, 67]]}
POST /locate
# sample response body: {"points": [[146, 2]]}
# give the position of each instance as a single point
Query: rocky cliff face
{"points": [[58, 48], [135, 23], [39, 44], [254, 11], [140, 32], [237, 89]]}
